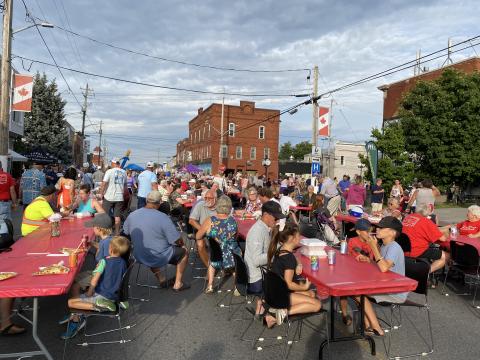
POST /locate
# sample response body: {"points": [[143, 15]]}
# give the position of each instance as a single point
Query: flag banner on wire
{"points": [[22, 93], [323, 121]]}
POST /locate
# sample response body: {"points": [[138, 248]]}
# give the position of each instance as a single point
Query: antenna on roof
{"points": [[448, 60]]}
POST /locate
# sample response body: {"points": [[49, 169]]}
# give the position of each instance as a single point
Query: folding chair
{"points": [[277, 296], [466, 259], [216, 255], [416, 269], [117, 314]]}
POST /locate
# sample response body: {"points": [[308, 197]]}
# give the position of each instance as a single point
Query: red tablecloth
{"points": [[40, 241], [349, 277], [302, 208], [346, 218], [244, 227], [237, 194], [475, 242]]}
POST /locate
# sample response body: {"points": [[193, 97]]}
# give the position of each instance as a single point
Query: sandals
{"points": [[370, 331], [265, 323], [181, 288], [12, 330], [347, 320], [209, 290]]}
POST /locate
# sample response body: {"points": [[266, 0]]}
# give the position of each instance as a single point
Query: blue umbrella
{"points": [[134, 167]]}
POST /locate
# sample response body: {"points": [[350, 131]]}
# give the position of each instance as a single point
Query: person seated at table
{"points": [[471, 226], [84, 203], [221, 228], [266, 194], [7, 327], [309, 197], [287, 201], [104, 285], [393, 209], [38, 211], [282, 262], [156, 242], [256, 247], [424, 234], [202, 211], [254, 205], [177, 200], [359, 248], [389, 257]]}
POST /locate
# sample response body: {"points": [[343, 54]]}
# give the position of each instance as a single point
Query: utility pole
{"points": [[5, 82], [100, 143], [330, 140], [315, 108], [86, 94], [221, 130]]}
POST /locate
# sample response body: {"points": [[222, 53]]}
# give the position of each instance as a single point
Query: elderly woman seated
{"points": [[471, 226], [253, 202], [393, 209]]}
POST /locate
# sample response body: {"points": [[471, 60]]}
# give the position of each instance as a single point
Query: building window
{"points": [[253, 153], [204, 128], [195, 137], [342, 160], [209, 130], [266, 153], [224, 151], [261, 132], [238, 152], [231, 129]]}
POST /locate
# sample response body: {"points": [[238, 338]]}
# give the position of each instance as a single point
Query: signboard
{"points": [[315, 159], [315, 168], [316, 151], [22, 93], [323, 121]]}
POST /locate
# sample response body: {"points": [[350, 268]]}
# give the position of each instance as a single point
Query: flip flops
{"points": [[9, 331], [181, 288]]}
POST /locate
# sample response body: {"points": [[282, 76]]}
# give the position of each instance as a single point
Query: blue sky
{"points": [[348, 40]]}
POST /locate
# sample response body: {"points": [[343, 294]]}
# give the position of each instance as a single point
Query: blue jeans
{"points": [[141, 202], [5, 210]]}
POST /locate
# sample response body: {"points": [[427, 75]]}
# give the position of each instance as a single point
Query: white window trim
{"points": [[259, 132], [254, 152], [231, 132], [241, 152]]}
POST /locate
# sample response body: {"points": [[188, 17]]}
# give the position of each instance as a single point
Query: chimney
{"points": [[200, 110]]}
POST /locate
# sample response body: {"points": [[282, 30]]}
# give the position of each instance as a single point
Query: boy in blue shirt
{"points": [[104, 286]]}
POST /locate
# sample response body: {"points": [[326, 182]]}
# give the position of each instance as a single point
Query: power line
{"points": [[214, 67]]}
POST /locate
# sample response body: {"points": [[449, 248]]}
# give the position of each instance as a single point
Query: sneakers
{"points": [[105, 305], [73, 328], [280, 316]]}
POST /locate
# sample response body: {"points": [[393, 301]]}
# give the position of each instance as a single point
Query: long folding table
{"points": [[27, 255], [348, 277]]}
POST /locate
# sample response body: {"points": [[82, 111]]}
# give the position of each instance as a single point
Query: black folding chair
{"points": [[117, 314], [277, 296], [216, 255], [416, 269], [466, 260]]}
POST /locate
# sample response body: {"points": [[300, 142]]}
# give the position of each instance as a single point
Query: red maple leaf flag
{"points": [[324, 121], [22, 95]]}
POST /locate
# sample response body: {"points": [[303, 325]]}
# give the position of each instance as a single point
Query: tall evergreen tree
{"points": [[45, 125]]}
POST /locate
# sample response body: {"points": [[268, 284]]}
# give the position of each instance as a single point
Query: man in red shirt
{"points": [[423, 234], [8, 196]]}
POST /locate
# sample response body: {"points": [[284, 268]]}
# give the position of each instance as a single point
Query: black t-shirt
{"points": [[284, 260], [377, 198]]}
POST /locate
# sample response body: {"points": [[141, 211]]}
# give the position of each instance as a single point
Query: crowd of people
{"points": [[169, 209]]}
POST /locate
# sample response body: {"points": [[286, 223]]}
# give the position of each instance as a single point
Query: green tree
{"points": [[45, 125], [301, 149], [394, 162], [286, 150], [441, 123]]}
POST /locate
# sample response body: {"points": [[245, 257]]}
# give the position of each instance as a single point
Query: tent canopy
{"points": [[134, 167], [40, 156], [16, 156], [193, 169]]}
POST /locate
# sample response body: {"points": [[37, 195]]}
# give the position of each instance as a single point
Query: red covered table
{"points": [[244, 227], [464, 239], [348, 277], [27, 255]]}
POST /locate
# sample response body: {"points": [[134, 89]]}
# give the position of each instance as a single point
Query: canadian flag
{"points": [[22, 93], [323, 121]]}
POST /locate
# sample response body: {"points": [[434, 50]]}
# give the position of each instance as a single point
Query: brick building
{"points": [[393, 93], [246, 139]]}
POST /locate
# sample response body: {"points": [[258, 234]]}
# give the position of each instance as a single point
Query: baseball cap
{"points": [[115, 160], [48, 190], [154, 197], [274, 209], [100, 220], [86, 165], [192, 181], [150, 164], [363, 225], [390, 222]]}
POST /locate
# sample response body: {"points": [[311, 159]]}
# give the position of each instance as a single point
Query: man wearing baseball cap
{"points": [[147, 181], [112, 189], [389, 257], [257, 242]]}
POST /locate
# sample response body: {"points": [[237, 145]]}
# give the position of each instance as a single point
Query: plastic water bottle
{"points": [[343, 247], [453, 232]]}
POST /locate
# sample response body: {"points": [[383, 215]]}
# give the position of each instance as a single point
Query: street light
{"points": [[360, 167], [42, 24], [266, 163]]}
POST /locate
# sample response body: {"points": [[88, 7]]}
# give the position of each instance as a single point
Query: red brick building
{"points": [[250, 135], [393, 93]]}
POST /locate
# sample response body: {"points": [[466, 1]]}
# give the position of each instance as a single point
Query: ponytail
{"points": [[278, 238]]}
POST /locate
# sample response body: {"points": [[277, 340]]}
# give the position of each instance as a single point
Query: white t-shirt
{"points": [[116, 180], [285, 203]]}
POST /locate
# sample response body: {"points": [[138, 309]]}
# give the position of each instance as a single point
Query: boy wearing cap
{"points": [[147, 181], [113, 187], [389, 257], [38, 211]]}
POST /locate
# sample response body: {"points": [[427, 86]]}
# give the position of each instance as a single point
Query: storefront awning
{"points": [[16, 156]]}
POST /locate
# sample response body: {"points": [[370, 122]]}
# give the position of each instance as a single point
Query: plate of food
{"points": [[68, 251], [55, 269], [7, 275]]}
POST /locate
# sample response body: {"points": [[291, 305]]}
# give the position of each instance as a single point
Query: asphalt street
{"points": [[190, 325]]}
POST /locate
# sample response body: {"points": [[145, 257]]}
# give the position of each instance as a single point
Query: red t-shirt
{"points": [[6, 181], [356, 243], [421, 232], [468, 227]]}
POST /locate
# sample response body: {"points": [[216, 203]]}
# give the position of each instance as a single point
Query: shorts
{"points": [[255, 287], [389, 298], [84, 278], [91, 299], [116, 205], [377, 207], [432, 253], [178, 255]]}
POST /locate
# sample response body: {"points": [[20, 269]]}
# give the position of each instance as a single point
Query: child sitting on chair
{"points": [[104, 286]]}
